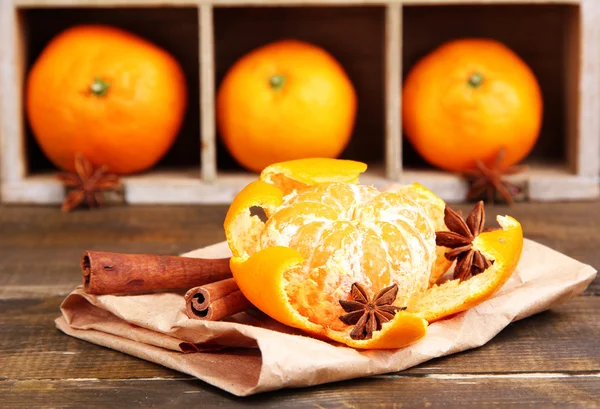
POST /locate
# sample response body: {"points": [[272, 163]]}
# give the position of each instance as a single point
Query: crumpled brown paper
{"points": [[262, 355]]}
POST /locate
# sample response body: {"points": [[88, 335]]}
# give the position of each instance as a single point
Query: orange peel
{"points": [[504, 247], [324, 231], [300, 173]]}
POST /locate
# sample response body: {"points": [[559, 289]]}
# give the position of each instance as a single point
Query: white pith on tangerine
{"points": [[350, 233]]}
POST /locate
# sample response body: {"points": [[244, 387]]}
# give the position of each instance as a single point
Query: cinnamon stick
{"points": [[117, 273], [215, 301]]}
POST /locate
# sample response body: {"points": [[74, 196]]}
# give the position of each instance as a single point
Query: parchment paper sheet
{"points": [[251, 353]]}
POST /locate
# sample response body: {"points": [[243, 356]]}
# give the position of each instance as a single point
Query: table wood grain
{"points": [[550, 359]]}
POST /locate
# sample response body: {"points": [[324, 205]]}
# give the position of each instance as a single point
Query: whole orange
{"points": [[466, 100], [285, 100], [107, 93]]}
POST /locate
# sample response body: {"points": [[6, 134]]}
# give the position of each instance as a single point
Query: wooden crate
{"points": [[377, 41]]}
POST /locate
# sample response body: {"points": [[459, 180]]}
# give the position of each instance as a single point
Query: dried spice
{"points": [[459, 239], [86, 184], [490, 180], [367, 315]]}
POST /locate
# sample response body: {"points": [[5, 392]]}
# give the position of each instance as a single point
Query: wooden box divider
{"points": [[572, 173]]}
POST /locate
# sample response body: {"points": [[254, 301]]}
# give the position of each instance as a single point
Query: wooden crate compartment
{"points": [[353, 35], [376, 42], [542, 35], [176, 29]]}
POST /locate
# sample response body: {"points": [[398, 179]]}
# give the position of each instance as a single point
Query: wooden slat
{"points": [[393, 65], [125, 3], [100, 3], [207, 94], [562, 340], [42, 246], [32, 348], [587, 150], [487, 2], [542, 391], [12, 65]]}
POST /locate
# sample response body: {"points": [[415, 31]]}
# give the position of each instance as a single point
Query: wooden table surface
{"points": [[551, 359]]}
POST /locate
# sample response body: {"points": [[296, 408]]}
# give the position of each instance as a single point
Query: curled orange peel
{"points": [[300, 173], [504, 246], [260, 273], [268, 266], [239, 221], [260, 277]]}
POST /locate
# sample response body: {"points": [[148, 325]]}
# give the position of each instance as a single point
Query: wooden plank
{"points": [[207, 94], [382, 392], [550, 182], [126, 3], [572, 87], [393, 87], [100, 3], [562, 340], [32, 348], [546, 183], [12, 63], [42, 246], [487, 2], [588, 120]]}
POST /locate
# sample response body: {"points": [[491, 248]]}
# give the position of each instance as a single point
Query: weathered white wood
{"points": [[207, 94], [393, 94], [12, 67], [588, 139], [562, 187], [36, 190], [302, 2], [543, 183], [103, 3], [449, 2], [572, 90]]}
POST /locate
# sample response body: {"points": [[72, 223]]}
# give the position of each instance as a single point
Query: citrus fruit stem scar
{"points": [[475, 80], [99, 87], [277, 81]]}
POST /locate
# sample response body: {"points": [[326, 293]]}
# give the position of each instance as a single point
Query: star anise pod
{"points": [[86, 184], [459, 239], [367, 316], [490, 180]]}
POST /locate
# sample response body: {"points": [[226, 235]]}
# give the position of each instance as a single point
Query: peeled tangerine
{"points": [[322, 232]]}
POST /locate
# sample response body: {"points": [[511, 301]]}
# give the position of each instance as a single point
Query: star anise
{"points": [[490, 180], [86, 184], [459, 239], [367, 316]]}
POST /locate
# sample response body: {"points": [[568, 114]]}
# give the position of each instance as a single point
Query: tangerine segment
{"points": [[404, 329], [356, 234], [269, 266], [261, 280], [504, 247], [299, 173], [434, 208], [242, 229]]}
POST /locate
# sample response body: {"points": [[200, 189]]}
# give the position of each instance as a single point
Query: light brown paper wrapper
{"points": [[251, 353]]}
